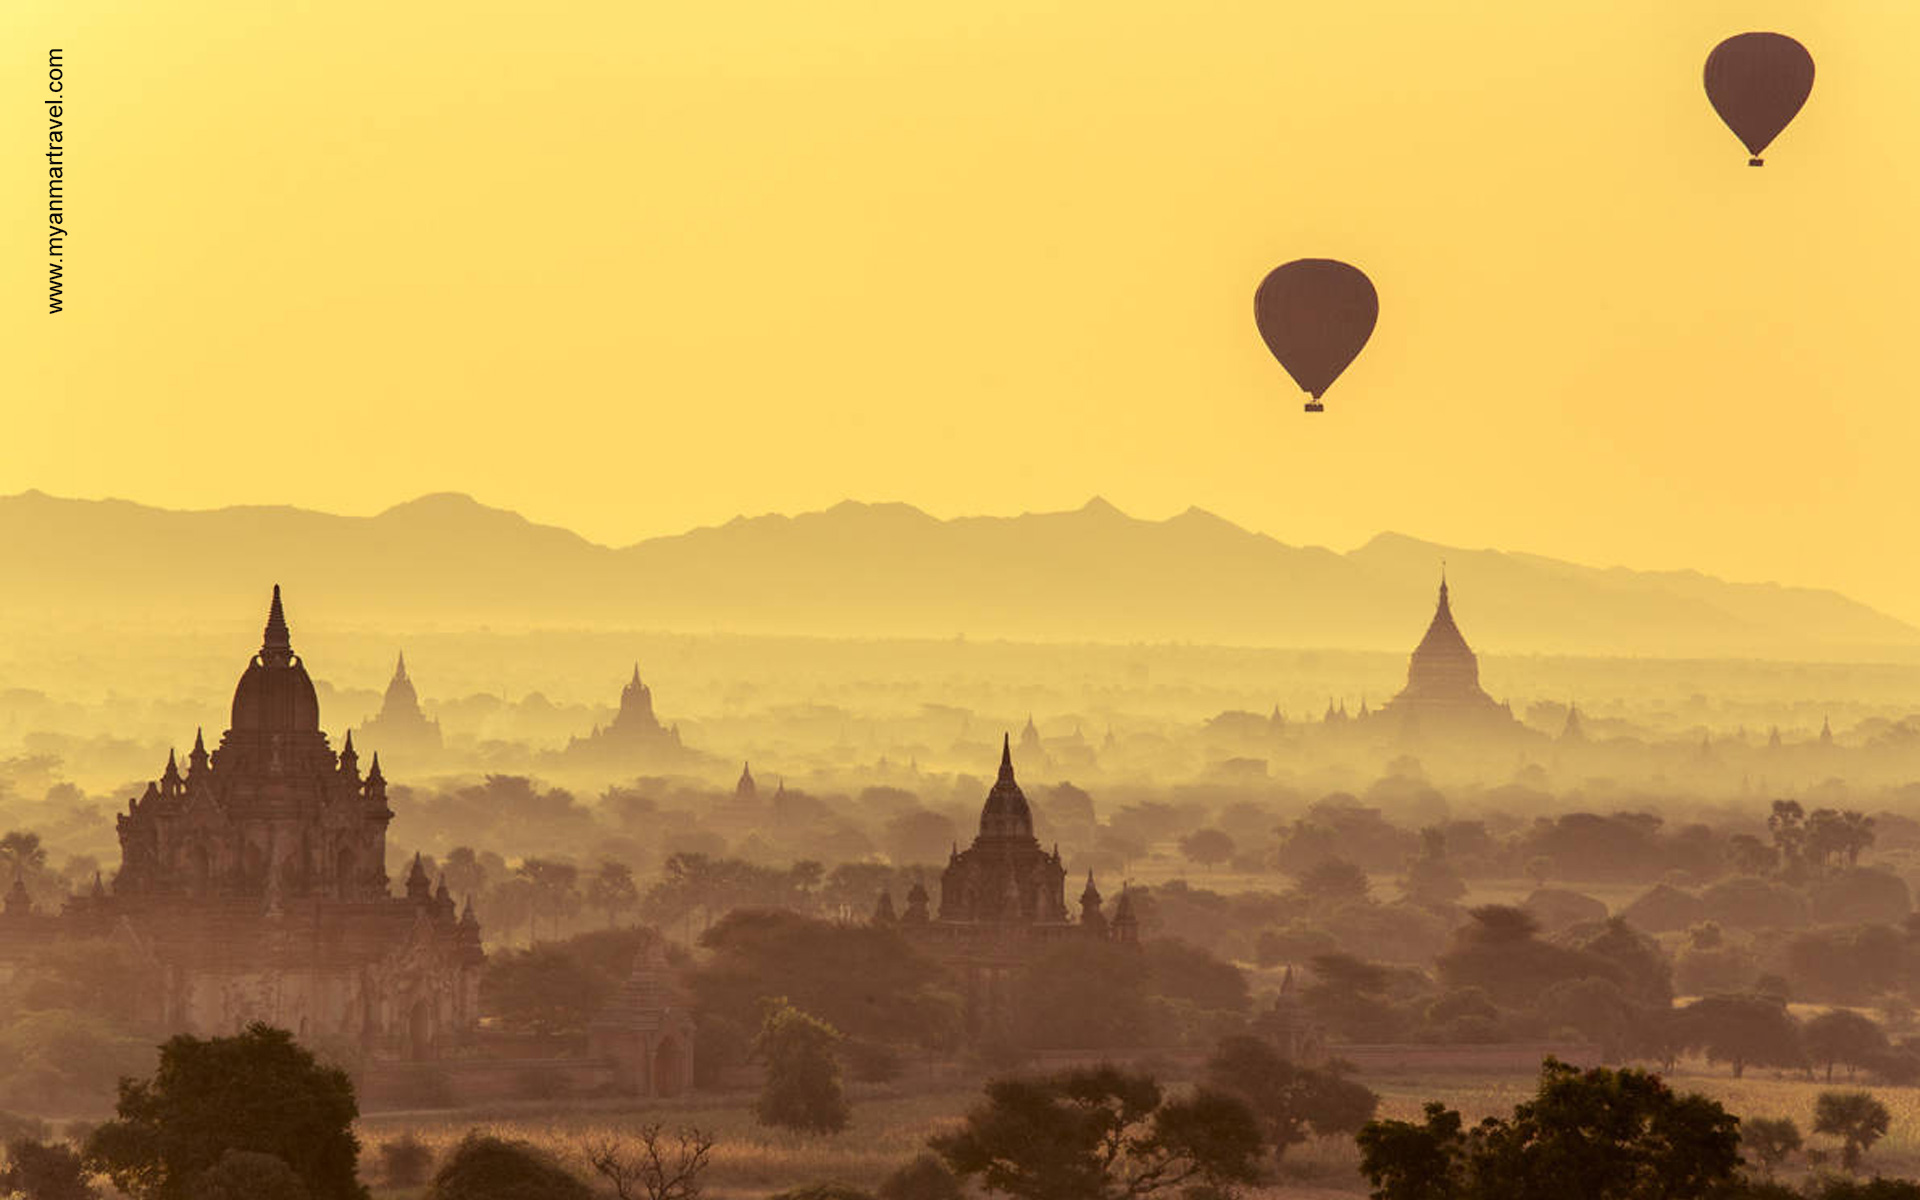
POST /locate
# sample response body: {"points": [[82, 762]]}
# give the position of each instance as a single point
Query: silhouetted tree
{"points": [[1083, 994], [1586, 1135], [543, 990], [1101, 1133], [1348, 996], [612, 890], [483, 1167], [1208, 847], [38, 1170], [1640, 967], [866, 982], [1332, 880], [468, 871], [405, 1161], [245, 1175], [1289, 1099], [1841, 1035], [508, 905], [21, 853], [1430, 877], [257, 1091], [1594, 1008], [556, 888], [1769, 1140], [1748, 855], [1740, 1030], [652, 1164], [1787, 824], [1856, 1118], [802, 1089], [1500, 951], [1835, 836]]}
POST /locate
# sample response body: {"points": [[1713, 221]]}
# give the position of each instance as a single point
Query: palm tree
{"points": [[22, 858], [1856, 1118], [1769, 1141], [612, 889]]}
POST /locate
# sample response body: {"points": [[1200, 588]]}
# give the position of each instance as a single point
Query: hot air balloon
{"points": [[1757, 82], [1315, 314]]}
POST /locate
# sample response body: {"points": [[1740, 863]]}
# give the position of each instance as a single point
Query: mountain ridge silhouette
{"points": [[887, 569]]}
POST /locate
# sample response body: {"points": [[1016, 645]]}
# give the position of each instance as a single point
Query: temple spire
{"points": [[400, 667], [276, 646], [418, 886], [1006, 758]]}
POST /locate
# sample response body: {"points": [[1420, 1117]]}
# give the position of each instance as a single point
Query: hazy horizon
{"points": [[890, 570], [881, 635], [971, 257]]}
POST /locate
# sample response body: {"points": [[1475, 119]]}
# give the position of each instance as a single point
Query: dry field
{"points": [[751, 1163]]}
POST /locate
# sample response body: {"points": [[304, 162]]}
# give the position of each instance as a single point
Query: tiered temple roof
{"points": [[401, 725], [1443, 680]]}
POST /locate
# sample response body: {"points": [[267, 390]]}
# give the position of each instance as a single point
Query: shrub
{"points": [[405, 1161], [1749, 903], [1860, 895], [245, 1175], [483, 1167], [802, 1089], [38, 1171], [258, 1090], [1665, 909]]}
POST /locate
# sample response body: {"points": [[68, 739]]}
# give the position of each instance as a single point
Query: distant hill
{"points": [[883, 570]]}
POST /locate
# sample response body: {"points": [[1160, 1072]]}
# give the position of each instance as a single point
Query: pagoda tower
{"points": [[255, 882], [401, 726], [1443, 690], [634, 735]]}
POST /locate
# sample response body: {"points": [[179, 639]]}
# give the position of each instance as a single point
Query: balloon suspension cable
{"points": [[1755, 162]]}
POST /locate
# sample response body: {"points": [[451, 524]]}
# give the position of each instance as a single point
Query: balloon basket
{"points": [[1315, 406], [1755, 162]]}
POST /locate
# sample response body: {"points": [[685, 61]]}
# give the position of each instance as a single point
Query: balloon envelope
{"points": [[1757, 82], [1315, 314]]}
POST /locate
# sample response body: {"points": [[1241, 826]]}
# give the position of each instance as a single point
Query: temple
{"points": [[400, 726], [1002, 900], [745, 806], [647, 1032], [254, 885], [1005, 876], [634, 735], [1443, 693]]}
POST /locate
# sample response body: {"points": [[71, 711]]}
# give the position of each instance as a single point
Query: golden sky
{"points": [[631, 267]]}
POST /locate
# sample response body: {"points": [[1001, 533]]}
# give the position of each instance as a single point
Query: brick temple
{"points": [[253, 884]]}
